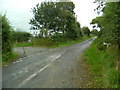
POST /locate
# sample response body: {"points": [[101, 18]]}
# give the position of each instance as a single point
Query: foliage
{"points": [[47, 42], [44, 42], [109, 23], [9, 57], [0, 31], [7, 42], [23, 44], [55, 18], [103, 66], [19, 36], [95, 32], [70, 42], [86, 31]]}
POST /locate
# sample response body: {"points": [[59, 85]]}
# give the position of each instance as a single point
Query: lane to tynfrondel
{"points": [[51, 68]]}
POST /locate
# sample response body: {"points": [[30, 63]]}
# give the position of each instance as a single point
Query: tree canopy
{"points": [[95, 32], [109, 23], [86, 31], [56, 17]]}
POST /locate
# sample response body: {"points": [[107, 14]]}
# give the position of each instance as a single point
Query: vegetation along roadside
{"points": [[104, 53], [103, 66]]}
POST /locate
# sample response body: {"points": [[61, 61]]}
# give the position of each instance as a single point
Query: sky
{"points": [[19, 12]]}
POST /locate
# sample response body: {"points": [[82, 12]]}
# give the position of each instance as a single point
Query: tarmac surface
{"points": [[47, 68]]}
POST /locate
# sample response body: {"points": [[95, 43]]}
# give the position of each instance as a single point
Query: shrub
{"points": [[7, 42], [21, 36]]}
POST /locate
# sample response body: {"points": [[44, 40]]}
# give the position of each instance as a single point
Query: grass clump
{"points": [[103, 65], [8, 57]]}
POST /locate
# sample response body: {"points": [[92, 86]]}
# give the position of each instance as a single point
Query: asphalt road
{"points": [[47, 68]]}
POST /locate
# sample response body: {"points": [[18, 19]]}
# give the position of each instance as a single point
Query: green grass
{"points": [[46, 42], [69, 42], [8, 58], [103, 66], [24, 44]]}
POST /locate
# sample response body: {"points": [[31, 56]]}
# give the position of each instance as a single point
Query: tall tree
{"points": [[95, 32], [109, 23], [55, 17], [86, 31], [7, 39], [7, 42]]}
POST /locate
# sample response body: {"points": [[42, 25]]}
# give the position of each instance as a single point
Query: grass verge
{"points": [[46, 42], [8, 58], [103, 66], [39, 42], [69, 42], [23, 44]]}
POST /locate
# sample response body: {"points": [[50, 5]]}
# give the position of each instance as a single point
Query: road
{"points": [[47, 68]]}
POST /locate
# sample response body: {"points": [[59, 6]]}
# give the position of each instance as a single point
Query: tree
{"points": [[95, 32], [7, 42], [21, 36], [0, 31], [55, 17], [109, 23], [86, 31]]}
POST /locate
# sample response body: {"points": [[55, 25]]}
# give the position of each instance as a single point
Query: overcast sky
{"points": [[19, 12]]}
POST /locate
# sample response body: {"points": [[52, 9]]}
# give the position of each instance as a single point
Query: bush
{"points": [[21, 36], [42, 42], [103, 65], [101, 46], [8, 57], [7, 42]]}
